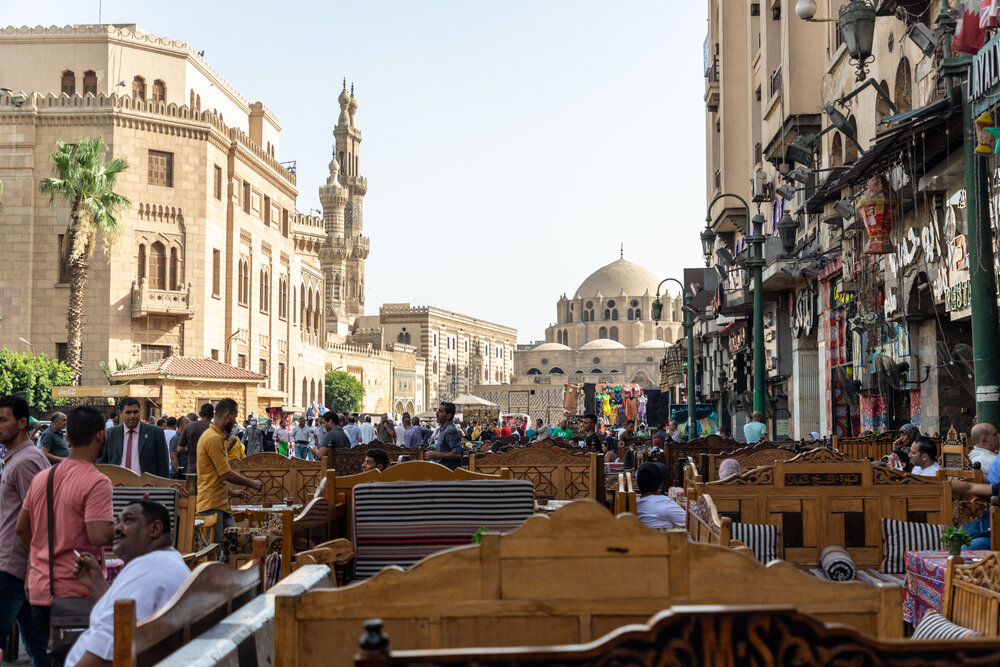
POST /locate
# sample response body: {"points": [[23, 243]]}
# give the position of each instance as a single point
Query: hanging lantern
{"points": [[984, 138], [876, 212]]}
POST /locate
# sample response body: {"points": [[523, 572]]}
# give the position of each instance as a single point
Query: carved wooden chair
{"points": [[972, 594], [282, 477]]}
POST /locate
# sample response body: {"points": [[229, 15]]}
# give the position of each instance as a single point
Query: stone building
{"points": [[606, 332], [212, 260]]}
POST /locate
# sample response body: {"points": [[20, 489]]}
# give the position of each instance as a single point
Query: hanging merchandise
{"points": [[642, 407], [876, 212]]}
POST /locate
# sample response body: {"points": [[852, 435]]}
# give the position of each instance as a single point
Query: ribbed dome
{"points": [[550, 346], [602, 344], [617, 278]]}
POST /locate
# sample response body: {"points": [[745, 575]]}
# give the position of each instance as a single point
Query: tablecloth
{"points": [[924, 586]]}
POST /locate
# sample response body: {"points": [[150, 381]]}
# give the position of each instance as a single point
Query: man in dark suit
{"points": [[136, 445]]}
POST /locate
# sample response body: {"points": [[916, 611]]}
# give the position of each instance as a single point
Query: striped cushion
{"points": [[873, 577], [838, 564], [936, 626], [123, 495], [398, 523], [898, 537], [762, 539], [272, 570]]}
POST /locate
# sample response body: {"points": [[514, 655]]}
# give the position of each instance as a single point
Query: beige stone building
{"points": [[606, 332], [212, 261]]}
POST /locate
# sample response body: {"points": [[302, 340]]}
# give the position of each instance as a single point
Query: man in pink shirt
{"points": [[81, 500], [22, 462]]}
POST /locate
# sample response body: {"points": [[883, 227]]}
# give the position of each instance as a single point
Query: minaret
{"points": [[348, 139], [333, 254]]}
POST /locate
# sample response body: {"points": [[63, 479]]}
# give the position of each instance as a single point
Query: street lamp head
{"points": [[801, 150], [857, 24], [800, 174], [707, 242], [805, 9], [787, 227], [786, 191], [657, 309]]}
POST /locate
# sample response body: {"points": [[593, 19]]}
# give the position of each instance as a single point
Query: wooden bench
{"points": [[318, 522], [702, 636], [625, 498], [209, 594], [553, 471], [675, 454], [569, 577], [282, 477], [873, 447], [246, 637], [178, 496], [822, 498], [972, 594], [348, 461], [749, 457]]}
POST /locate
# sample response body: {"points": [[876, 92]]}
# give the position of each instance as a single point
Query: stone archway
{"points": [[409, 407], [398, 408], [641, 378]]}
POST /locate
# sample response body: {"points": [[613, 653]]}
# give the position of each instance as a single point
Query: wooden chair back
{"points": [[822, 498], [282, 477], [954, 454], [625, 496], [750, 457], [972, 594], [318, 522], [348, 461], [557, 580], [874, 446], [554, 471], [335, 554], [675, 454], [210, 593], [186, 501], [725, 635]]}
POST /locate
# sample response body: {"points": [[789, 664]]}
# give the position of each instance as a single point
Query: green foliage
{"points": [[106, 369], [477, 537], [955, 537], [32, 376], [344, 392]]}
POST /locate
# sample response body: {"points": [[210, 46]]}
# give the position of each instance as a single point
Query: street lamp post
{"points": [[755, 237], [657, 309]]}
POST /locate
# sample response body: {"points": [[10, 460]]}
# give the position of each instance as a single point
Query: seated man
{"points": [[375, 459], [153, 572], [986, 440], [923, 455], [654, 509], [979, 529]]}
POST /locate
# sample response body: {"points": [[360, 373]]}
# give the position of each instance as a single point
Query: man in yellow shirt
{"points": [[214, 471]]}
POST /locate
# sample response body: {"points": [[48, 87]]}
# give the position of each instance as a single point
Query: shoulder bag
{"points": [[69, 617]]}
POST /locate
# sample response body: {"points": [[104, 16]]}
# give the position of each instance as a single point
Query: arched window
{"points": [[555, 370], [139, 87], [881, 107], [613, 333], [400, 338], [265, 291], [569, 316], [90, 82], [336, 286], [302, 305], [534, 371], [159, 91], [852, 150], [565, 337], [559, 336], [174, 270], [669, 337], [68, 84], [590, 314], [319, 311], [602, 332], [305, 391], [577, 372], [583, 316], [312, 391], [836, 151], [630, 313], [614, 314], [596, 370], [638, 313], [197, 104], [607, 314], [904, 83], [141, 262], [158, 266], [659, 333]]}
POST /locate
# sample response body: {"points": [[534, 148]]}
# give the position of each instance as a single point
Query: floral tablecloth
{"points": [[924, 587], [239, 541]]}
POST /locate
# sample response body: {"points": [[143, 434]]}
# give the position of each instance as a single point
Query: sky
{"points": [[511, 147]]}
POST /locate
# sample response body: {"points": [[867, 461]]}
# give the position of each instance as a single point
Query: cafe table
{"points": [[923, 588], [237, 542]]}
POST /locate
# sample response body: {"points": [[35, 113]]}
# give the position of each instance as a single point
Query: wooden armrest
{"points": [[196, 557]]}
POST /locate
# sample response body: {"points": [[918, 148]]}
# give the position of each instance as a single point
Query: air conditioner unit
{"points": [[760, 187]]}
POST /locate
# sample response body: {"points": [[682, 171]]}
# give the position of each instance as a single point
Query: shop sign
{"points": [[838, 297], [985, 75], [959, 296], [108, 391], [738, 339], [804, 312]]}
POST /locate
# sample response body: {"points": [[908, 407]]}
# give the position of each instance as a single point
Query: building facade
{"points": [[212, 260], [606, 332]]}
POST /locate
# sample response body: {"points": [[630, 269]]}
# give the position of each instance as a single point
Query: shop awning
{"points": [[932, 145], [108, 391]]}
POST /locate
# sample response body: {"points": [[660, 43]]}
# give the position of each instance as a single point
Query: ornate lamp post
{"points": [[657, 310], [755, 237], [857, 24]]}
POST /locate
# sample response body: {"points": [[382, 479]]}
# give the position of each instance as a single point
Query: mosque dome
{"points": [[546, 347], [617, 278], [602, 344], [654, 343]]}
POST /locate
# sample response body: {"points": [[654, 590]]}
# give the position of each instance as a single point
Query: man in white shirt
{"points": [[654, 509], [986, 441], [401, 430], [367, 431], [923, 456], [152, 574]]}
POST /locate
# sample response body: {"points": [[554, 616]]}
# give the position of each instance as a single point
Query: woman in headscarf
{"points": [[728, 468]]}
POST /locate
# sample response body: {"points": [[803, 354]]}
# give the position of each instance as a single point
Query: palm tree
{"points": [[88, 183]]}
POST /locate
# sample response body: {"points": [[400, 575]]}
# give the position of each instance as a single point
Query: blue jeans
{"points": [[980, 532], [14, 606], [301, 451]]}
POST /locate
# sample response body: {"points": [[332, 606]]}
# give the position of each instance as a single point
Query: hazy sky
{"points": [[509, 146]]}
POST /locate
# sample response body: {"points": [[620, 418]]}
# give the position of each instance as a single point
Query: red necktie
{"points": [[128, 451]]}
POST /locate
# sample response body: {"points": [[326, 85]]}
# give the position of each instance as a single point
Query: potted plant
{"points": [[955, 539]]}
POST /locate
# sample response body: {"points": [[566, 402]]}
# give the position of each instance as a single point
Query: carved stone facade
{"points": [[212, 260]]}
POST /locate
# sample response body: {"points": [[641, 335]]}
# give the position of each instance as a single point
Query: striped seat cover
{"points": [[762, 539], [898, 537], [398, 523], [936, 626], [123, 495]]}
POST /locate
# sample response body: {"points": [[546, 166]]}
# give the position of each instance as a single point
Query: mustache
{"points": [[118, 535]]}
